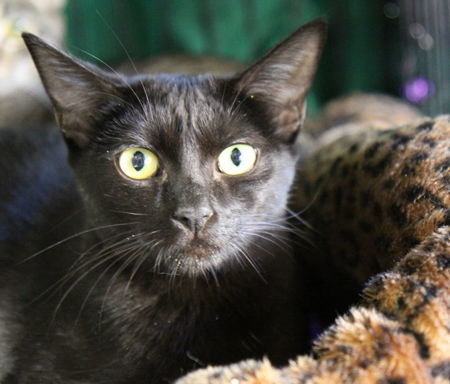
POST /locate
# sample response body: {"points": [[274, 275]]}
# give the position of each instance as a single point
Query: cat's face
{"points": [[194, 171], [194, 206]]}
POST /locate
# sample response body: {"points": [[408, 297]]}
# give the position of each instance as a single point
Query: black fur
{"points": [[135, 295]]}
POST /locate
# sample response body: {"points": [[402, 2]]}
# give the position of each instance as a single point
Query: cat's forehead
{"points": [[170, 113], [191, 99]]}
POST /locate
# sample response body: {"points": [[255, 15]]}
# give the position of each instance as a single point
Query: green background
{"points": [[360, 52]]}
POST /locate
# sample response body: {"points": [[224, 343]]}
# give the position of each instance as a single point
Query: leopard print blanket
{"points": [[380, 198]]}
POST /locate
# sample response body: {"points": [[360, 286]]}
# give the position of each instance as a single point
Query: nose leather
{"points": [[193, 209], [194, 219]]}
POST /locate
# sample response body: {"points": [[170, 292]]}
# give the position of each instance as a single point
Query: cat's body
{"points": [[129, 331], [127, 279]]}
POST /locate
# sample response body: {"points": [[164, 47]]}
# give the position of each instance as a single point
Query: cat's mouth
{"points": [[199, 247], [196, 243], [192, 254]]}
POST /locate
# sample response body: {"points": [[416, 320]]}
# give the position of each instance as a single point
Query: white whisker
{"points": [[90, 230]]}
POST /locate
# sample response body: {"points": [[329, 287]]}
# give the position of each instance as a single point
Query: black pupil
{"points": [[236, 157], [138, 161]]}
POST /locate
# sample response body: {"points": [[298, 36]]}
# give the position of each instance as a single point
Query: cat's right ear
{"points": [[281, 79], [78, 90]]}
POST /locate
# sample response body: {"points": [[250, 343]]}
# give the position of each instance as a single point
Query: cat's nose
{"points": [[194, 219]]}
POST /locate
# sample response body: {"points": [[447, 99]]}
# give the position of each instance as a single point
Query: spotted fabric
{"points": [[376, 192], [378, 199]]}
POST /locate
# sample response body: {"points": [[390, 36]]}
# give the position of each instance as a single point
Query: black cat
{"points": [[161, 247]]}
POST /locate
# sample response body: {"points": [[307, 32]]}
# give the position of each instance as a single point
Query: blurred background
{"points": [[398, 47]]}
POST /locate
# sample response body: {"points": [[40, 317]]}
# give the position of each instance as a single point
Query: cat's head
{"points": [[187, 172]]}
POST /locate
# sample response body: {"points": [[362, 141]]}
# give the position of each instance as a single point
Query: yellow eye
{"points": [[138, 163], [237, 159]]}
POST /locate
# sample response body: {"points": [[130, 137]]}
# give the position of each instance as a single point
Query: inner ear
{"points": [[289, 120], [283, 77], [79, 91]]}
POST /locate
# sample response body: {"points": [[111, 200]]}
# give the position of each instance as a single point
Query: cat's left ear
{"points": [[79, 91], [282, 78]]}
